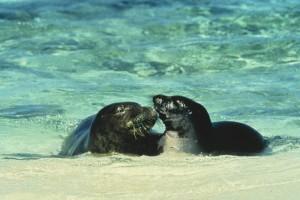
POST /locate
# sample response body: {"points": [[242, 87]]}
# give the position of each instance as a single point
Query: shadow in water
{"points": [[28, 156], [27, 111]]}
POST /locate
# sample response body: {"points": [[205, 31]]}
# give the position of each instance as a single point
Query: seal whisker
{"points": [[134, 131], [144, 128], [141, 132], [137, 131]]}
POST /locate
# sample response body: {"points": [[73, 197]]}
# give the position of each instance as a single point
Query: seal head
{"points": [[177, 116], [123, 127]]}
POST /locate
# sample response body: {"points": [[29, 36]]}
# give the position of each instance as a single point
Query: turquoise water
{"points": [[61, 61]]}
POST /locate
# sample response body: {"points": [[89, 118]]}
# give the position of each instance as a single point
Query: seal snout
{"points": [[158, 99], [150, 113], [161, 105], [153, 113], [146, 118]]}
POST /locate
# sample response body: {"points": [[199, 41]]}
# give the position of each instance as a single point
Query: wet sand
{"points": [[175, 176]]}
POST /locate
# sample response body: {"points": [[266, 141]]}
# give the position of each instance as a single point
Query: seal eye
{"points": [[158, 100], [180, 104], [120, 109]]}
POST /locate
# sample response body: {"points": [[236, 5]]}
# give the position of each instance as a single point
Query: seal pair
{"points": [[126, 128]]}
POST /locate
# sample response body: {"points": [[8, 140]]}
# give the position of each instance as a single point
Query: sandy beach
{"points": [[176, 176]]}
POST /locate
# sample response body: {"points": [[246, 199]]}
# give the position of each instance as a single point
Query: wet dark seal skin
{"points": [[124, 128], [189, 118], [120, 127]]}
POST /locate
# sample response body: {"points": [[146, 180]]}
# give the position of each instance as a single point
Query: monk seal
{"points": [[185, 118], [123, 127]]}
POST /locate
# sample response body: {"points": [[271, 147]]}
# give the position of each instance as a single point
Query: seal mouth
{"points": [[143, 122], [162, 112], [166, 116]]}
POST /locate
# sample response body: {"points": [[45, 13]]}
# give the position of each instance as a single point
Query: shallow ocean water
{"points": [[61, 61]]}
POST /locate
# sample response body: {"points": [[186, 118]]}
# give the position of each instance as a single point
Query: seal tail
{"points": [[75, 145], [77, 142]]}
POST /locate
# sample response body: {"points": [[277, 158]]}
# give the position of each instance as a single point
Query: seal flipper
{"points": [[77, 142]]}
